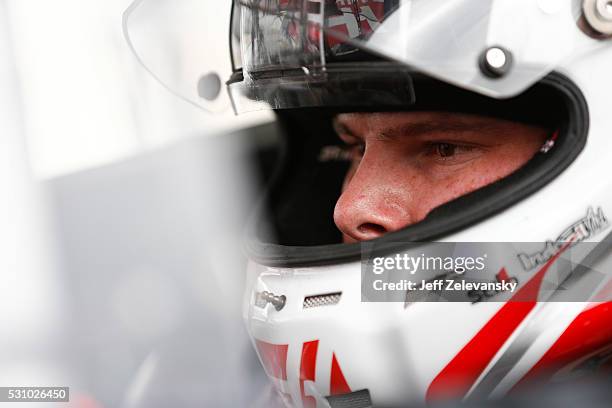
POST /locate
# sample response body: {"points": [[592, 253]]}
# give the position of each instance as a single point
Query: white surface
{"points": [[86, 101]]}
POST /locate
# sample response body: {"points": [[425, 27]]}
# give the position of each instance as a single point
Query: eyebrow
{"points": [[420, 128]]}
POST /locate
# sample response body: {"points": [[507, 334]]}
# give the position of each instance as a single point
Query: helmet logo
{"points": [[502, 277], [586, 227]]}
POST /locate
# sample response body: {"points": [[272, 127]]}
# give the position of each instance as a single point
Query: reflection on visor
{"points": [[291, 33], [291, 50]]}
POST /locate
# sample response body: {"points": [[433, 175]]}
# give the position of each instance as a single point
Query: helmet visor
{"points": [[494, 47], [497, 48]]}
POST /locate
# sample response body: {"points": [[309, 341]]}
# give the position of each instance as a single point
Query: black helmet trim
{"points": [[340, 85]]}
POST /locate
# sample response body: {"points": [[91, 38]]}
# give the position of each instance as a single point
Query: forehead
{"points": [[390, 123], [383, 119]]}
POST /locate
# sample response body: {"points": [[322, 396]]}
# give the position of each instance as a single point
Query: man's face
{"points": [[406, 164]]}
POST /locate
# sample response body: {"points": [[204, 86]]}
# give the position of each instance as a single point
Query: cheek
{"points": [[496, 166], [418, 191], [463, 183]]}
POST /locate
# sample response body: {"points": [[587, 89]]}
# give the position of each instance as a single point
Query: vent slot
{"points": [[357, 399], [326, 299]]}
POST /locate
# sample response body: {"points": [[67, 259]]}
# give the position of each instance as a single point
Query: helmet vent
{"points": [[327, 299]]}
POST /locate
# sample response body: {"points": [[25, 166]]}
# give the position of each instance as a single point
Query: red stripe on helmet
{"points": [[456, 379], [308, 366], [589, 332], [338, 384], [274, 358]]}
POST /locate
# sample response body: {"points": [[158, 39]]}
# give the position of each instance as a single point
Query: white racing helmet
{"points": [[333, 329]]}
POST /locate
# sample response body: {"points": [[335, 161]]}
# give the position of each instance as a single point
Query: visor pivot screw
{"points": [[277, 301], [598, 15], [209, 86], [495, 62]]}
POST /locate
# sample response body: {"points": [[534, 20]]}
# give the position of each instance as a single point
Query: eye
{"points": [[445, 149], [451, 153]]}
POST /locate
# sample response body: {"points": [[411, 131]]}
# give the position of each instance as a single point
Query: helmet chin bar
{"points": [[554, 102]]}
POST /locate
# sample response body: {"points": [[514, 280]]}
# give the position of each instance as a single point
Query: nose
{"points": [[375, 201]]}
